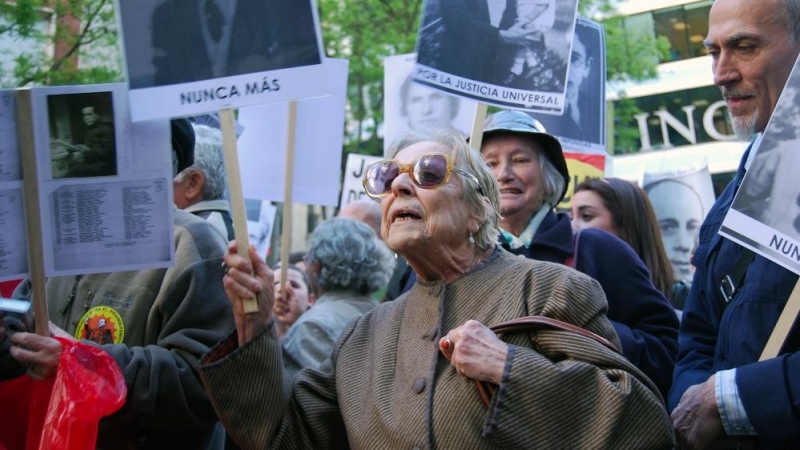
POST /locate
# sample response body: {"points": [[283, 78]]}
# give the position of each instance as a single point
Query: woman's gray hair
{"points": [[552, 180], [351, 257], [484, 198]]}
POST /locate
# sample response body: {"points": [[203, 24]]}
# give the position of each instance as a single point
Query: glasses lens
{"points": [[380, 176], [430, 171]]}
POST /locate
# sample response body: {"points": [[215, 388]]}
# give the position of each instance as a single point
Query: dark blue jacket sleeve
{"points": [[643, 318]]}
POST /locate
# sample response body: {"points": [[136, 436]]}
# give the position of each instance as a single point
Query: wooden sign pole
{"points": [[286, 227], [784, 325], [476, 136], [33, 224], [237, 198]]}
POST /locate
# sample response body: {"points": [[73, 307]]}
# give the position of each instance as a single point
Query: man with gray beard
{"points": [[722, 396]]}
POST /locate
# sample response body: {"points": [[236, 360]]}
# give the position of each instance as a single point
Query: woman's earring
{"points": [[471, 238]]}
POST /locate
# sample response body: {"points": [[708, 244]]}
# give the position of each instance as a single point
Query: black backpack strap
{"points": [[730, 283]]}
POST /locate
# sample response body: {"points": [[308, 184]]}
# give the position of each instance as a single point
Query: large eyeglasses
{"points": [[428, 172]]}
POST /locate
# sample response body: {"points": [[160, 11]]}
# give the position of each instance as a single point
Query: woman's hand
{"points": [[475, 352], [247, 280]]}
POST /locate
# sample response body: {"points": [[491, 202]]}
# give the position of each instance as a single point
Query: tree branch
{"points": [[79, 41]]}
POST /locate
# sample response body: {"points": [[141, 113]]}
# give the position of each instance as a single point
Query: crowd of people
{"points": [[385, 328]]}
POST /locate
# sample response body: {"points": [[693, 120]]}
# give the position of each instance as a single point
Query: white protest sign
{"points": [[460, 50], [352, 185], [13, 254], [765, 214], [260, 223], [104, 183], [410, 106], [318, 146], [10, 168], [581, 128], [190, 57]]}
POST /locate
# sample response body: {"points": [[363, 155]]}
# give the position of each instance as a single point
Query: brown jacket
{"points": [[387, 386]]}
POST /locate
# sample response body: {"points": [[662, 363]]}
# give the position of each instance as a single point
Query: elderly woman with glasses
{"points": [[404, 375]]}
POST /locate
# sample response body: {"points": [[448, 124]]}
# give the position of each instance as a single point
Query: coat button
{"points": [[419, 385]]}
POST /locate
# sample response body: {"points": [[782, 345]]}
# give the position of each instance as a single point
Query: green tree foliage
{"points": [[365, 32], [42, 25], [362, 31], [630, 56]]}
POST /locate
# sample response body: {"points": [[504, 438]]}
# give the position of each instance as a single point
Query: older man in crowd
{"points": [[724, 395], [200, 188]]}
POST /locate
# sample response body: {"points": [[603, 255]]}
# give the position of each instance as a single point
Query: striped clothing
{"points": [[387, 385]]}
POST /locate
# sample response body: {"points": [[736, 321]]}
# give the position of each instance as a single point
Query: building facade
{"points": [[680, 120]]}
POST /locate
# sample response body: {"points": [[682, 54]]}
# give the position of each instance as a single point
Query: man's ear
{"points": [[194, 186]]}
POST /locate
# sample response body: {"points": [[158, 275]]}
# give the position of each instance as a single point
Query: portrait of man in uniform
{"points": [[82, 138]]}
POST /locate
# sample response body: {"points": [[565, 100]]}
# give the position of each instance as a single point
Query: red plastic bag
{"points": [[88, 386], [62, 413], [23, 406]]}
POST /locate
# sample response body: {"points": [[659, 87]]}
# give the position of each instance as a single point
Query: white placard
{"points": [[191, 57], [318, 146], [352, 185], [582, 126], [260, 224], [460, 50], [105, 183], [765, 214], [13, 252], [10, 168], [410, 106]]}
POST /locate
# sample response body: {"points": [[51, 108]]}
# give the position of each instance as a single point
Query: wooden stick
{"points": [[236, 196], [784, 325], [476, 137], [286, 228], [33, 223]]}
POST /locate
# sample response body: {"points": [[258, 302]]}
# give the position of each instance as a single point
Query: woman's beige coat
{"points": [[387, 386]]}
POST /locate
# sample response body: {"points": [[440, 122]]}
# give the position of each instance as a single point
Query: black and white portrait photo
{"points": [[521, 45], [411, 106], [172, 42], [191, 57], [769, 193], [583, 119], [681, 201], [82, 138]]}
